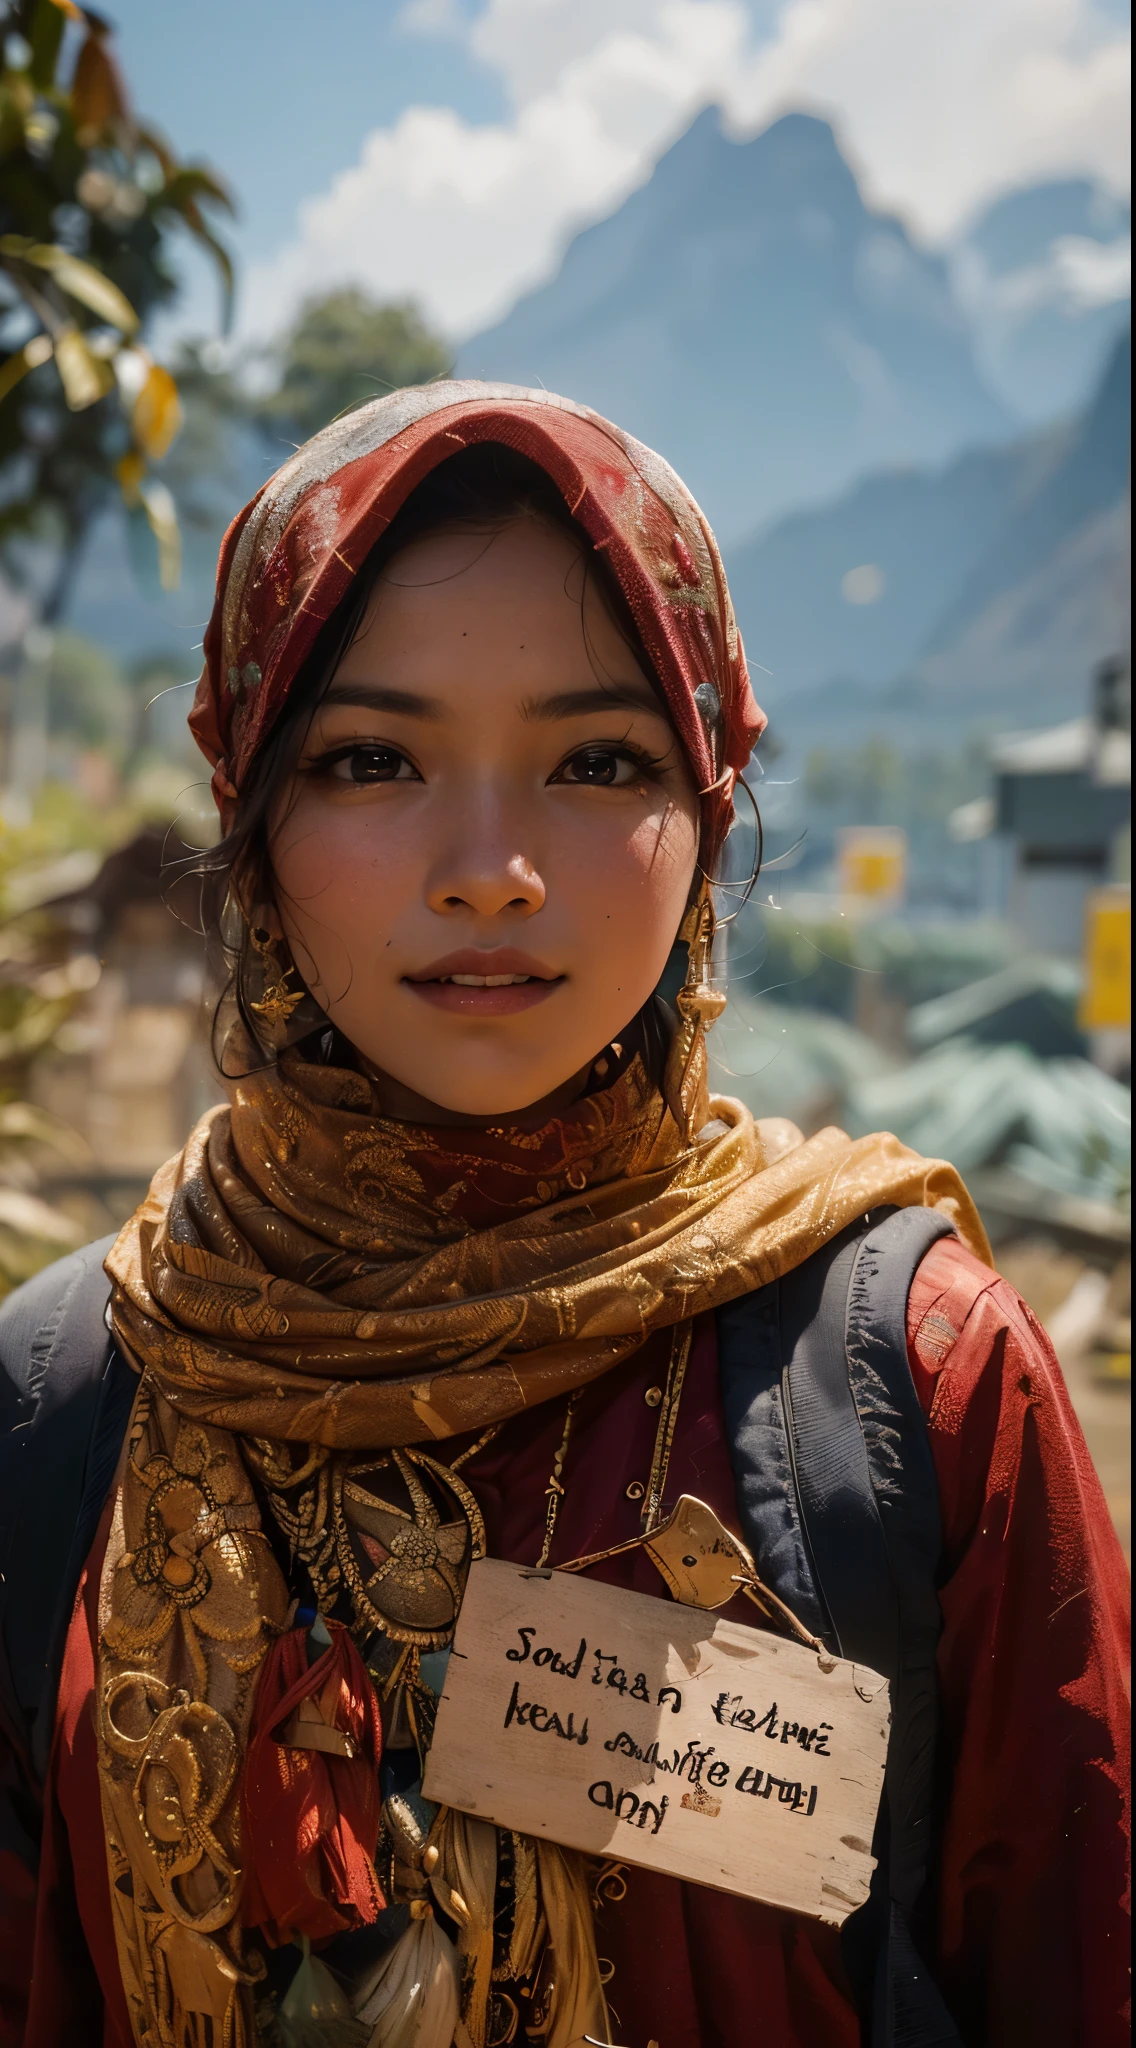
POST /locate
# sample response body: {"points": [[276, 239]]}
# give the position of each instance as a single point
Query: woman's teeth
{"points": [[486, 980]]}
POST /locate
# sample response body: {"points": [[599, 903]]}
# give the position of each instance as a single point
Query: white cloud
{"points": [[1093, 273], [462, 217], [941, 102], [944, 104]]}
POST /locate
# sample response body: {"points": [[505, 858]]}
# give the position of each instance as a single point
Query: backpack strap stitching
{"points": [[838, 1501], [750, 1373]]}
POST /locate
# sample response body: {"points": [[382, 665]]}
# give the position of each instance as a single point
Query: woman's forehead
{"points": [[514, 612], [482, 556]]}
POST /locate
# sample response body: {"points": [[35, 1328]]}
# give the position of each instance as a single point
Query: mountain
{"points": [[1052, 597], [1088, 478], [982, 591], [856, 588], [1044, 274], [747, 314]]}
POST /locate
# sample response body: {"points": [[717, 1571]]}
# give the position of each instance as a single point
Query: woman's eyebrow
{"points": [[373, 697], [572, 703]]}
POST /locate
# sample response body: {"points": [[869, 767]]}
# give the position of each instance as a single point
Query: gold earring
{"points": [[698, 1001], [278, 1000], [699, 1005]]}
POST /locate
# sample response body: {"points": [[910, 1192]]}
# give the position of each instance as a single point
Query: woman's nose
{"points": [[484, 873]]}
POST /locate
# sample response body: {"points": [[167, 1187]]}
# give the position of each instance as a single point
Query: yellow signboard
{"points": [[871, 862], [1106, 1004]]}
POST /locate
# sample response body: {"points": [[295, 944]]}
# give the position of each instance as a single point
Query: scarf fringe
{"points": [[553, 1939], [413, 1998]]}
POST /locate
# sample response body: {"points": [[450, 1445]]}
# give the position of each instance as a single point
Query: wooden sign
{"points": [[656, 1733]]}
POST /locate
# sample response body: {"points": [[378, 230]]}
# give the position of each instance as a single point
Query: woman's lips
{"points": [[466, 1001], [500, 988]]}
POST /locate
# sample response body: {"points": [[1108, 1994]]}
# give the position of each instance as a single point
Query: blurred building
{"points": [[130, 1072], [1062, 808]]}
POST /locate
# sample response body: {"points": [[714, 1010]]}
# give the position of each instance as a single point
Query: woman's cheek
{"points": [[661, 855], [630, 891], [340, 862], [340, 885], [303, 864]]}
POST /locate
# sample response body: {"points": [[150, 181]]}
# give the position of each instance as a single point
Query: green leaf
{"points": [[185, 187], [78, 279], [44, 28], [203, 233], [159, 148], [194, 181]]}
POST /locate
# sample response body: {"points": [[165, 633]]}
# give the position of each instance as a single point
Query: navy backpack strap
{"points": [[890, 1615], [751, 1381], [838, 1507], [837, 1495], [906, 1492], [65, 1400]]}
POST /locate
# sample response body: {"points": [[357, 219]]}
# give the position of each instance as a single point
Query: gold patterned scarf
{"points": [[310, 1279]]}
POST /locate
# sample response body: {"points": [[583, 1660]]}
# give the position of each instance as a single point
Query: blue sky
{"points": [[447, 148], [281, 94]]}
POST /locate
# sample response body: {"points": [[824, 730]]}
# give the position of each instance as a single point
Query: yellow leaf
{"points": [[34, 352], [156, 417], [162, 515], [130, 472], [84, 377], [83, 282]]}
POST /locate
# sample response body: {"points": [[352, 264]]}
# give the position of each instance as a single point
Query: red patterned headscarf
{"points": [[289, 557]]}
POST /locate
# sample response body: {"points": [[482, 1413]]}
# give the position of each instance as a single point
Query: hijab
{"points": [[312, 1282], [289, 558]]}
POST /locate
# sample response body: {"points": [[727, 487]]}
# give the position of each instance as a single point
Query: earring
{"points": [[601, 1067], [698, 1001], [699, 1005], [278, 1000]]}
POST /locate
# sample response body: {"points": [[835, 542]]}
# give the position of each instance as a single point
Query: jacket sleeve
{"points": [[19, 1855], [62, 1417], [1033, 1906], [21, 1798]]}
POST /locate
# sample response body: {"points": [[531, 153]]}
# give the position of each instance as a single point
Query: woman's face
{"points": [[488, 846]]}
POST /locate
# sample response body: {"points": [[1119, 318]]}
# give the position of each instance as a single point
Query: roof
{"points": [[1079, 746], [1058, 1124], [1031, 1002]]}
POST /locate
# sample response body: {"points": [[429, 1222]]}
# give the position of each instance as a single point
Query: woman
{"points": [[471, 1263]]}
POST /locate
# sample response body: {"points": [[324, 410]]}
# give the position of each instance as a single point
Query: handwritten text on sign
{"points": [[633, 1727]]}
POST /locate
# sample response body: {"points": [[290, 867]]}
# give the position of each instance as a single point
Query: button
{"points": [[635, 1491], [653, 1396]]}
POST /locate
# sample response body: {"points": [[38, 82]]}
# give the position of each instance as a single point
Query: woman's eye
{"points": [[366, 764], [599, 768]]}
